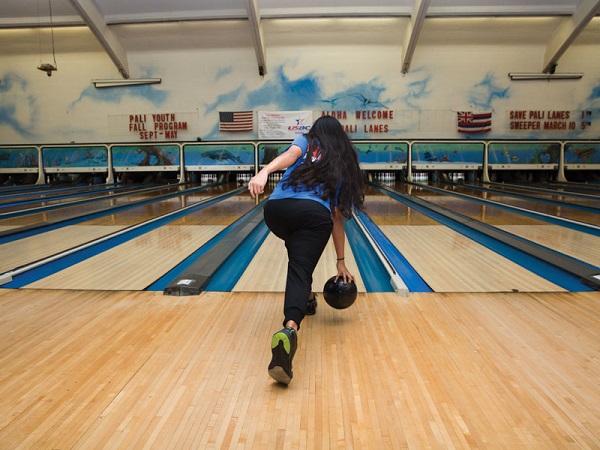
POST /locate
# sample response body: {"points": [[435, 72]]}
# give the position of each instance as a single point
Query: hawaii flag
{"points": [[236, 121], [469, 122]]}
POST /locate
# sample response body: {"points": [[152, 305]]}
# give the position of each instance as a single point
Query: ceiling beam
{"points": [[257, 35], [109, 41], [568, 31], [412, 32]]}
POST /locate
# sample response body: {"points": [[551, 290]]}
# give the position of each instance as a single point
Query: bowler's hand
{"points": [[343, 272], [257, 183]]}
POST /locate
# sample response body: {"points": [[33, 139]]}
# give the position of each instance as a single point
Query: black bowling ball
{"points": [[339, 295]]}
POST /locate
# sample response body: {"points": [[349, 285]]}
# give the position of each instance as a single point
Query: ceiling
{"points": [[25, 12], [121, 26]]}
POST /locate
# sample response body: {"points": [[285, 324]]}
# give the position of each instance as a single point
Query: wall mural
{"points": [[424, 105], [18, 107]]}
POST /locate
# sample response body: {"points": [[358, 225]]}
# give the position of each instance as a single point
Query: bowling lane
{"points": [[72, 198], [582, 246], [568, 187], [47, 195], [268, 269], [540, 207], [579, 245], [67, 212], [137, 263], [25, 251], [589, 199], [445, 259]]}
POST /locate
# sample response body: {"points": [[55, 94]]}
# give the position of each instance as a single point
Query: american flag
{"points": [[469, 122], [236, 121]]}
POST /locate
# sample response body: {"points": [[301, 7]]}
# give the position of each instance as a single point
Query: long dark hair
{"points": [[335, 175]]}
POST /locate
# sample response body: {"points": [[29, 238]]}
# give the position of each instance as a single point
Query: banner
{"points": [[283, 124], [552, 121], [166, 126]]}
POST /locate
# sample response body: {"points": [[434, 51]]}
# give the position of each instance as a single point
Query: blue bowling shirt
{"points": [[302, 192]]}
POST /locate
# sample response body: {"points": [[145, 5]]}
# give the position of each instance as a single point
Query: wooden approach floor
{"points": [[92, 369]]}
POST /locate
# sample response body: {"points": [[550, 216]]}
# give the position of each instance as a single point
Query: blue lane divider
{"points": [[373, 273], [414, 282], [233, 268], [62, 263]]}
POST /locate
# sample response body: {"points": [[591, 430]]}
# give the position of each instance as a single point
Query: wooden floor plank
{"points": [[81, 369]]}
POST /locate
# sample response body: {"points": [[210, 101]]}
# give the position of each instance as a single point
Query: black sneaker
{"points": [[311, 305], [283, 347]]}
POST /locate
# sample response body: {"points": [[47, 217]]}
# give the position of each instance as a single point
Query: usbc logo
{"points": [[300, 126]]}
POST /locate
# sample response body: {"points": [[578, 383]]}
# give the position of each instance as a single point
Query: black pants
{"points": [[305, 227]]}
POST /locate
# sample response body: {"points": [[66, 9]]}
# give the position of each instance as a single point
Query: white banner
{"points": [[283, 124]]}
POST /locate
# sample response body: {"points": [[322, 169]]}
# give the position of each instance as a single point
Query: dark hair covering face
{"points": [[336, 168]]}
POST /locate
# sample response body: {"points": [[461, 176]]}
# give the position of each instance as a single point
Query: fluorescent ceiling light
{"points": [[544, 76], [125, 82]]}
